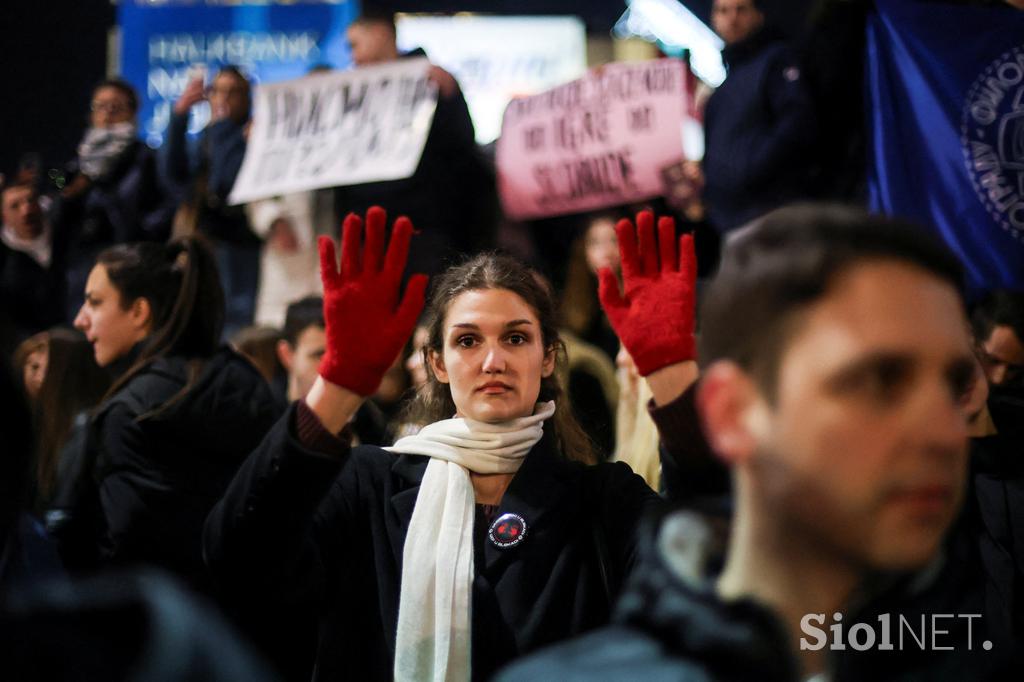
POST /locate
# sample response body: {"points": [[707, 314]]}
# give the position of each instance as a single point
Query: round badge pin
{"points": [[508, 530]]}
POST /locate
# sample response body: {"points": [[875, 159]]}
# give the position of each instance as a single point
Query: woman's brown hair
{"points": [[433, 401], [73, 384]]}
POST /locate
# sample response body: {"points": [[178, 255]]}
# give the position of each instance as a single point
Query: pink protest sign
{"points": [[595, 142]]}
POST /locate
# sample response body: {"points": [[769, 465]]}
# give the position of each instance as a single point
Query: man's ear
{"points": [[286, 354], [548, 367], [437, 366], [732, 411], [141, 313]]}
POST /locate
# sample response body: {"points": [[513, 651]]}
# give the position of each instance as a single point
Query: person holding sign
{"points": [[487, 535], [450, 171]]}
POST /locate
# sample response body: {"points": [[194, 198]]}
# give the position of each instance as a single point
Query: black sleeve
{"points": [[690, 470], [262, 537]]}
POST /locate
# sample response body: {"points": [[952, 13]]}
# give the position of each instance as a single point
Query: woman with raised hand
{"points": [[182, 414], [488, 534]]}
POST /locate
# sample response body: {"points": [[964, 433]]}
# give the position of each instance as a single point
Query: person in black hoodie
{"points": [[181, 416], [759, 125]]}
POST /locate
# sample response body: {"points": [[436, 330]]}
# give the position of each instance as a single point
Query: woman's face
{"points": [[601, 245], [110, 106], [35, 371], [111, 329], [493, 357], [414, 363]]}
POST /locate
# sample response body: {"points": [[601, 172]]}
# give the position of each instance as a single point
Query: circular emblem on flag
{"points": [[508, 530], [992, 139]]}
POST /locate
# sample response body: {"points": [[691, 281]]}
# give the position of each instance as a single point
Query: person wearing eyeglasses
{"points": [[110, 192]]}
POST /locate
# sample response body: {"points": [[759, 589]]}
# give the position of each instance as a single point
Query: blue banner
{"points": [[161, 40], [945, 87]]}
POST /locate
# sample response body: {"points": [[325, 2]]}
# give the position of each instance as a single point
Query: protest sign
{"points": [[595, 142], [332, 129]]}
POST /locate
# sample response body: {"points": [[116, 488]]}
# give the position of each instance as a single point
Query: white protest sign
{"points": [[598, 141], [331, 129]]}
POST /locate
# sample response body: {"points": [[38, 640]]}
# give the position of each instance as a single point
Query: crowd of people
{"points": [[718, 436]]}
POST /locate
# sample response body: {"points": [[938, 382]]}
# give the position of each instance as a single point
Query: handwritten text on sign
{"points": [[332, 129], [594, 142]]}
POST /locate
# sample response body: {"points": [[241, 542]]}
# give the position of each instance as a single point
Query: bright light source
{"points": [[675, 28]]}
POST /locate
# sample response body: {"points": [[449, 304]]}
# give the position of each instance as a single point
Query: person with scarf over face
{"points": [[490, 533], [113, 194]]}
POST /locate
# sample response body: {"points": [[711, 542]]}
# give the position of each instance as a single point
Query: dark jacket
{"points": [[128, 205], [202, 175], [146, 483], [673, 628], [304, 526], [32, 296], [759, 126]]}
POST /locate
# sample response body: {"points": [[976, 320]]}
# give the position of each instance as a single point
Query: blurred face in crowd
{"points": [[22, 212], [735, 20], [111, 326], [371, 42], [493, 357], [303, 361], [35, 371], [229, 98], [861, 451], [414, 363], [1002, 356], [601, 246], [110, 106]]}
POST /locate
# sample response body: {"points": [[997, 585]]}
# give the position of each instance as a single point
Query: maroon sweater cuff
{"points": [[314, 436], [678, 422]]}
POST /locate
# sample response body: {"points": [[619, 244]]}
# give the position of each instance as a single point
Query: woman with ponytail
{"points": [[182, 413], [491, 532]]}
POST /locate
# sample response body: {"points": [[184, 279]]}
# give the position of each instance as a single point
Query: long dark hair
{"points": [[73, 383], [433, 401], [186, 301]]}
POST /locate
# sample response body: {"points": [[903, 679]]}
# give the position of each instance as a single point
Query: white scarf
{"points": [[433, 640], [101, 148], [38, 248]]}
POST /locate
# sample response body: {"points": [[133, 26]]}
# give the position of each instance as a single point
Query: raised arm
{"points": [[653, 313], [269, 518], [654, 317]]}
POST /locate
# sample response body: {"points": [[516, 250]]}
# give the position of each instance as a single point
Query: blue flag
{"points": [[945, 88]]}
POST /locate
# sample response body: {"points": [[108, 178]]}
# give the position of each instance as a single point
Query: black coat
{"points": [[144, 486], [303, 526], [31, 295], [673, 629], [759, 128]]}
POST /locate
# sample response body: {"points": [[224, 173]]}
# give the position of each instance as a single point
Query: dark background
{"points": [[54, 51]]}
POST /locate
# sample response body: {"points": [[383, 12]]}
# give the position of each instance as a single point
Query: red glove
{"points": [[655, 318], [366, 324]]}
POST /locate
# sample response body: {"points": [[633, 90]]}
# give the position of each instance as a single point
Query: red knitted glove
{"points": [[366, 324], [654, 320]]}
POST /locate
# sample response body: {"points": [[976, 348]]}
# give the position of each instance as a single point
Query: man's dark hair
{"points": [[998, 308], [125, 88], [783, 262], [376, 14], [304, 313]]}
